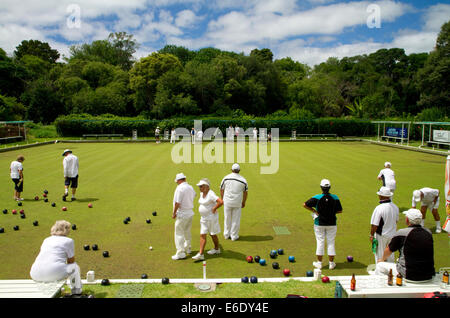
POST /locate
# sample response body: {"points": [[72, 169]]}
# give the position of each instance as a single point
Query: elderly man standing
{"points": [[70, 164], [16, 172], [387, 175], [430, 199], [415, 245], [183, 211], [234, 192], [384, 223]]}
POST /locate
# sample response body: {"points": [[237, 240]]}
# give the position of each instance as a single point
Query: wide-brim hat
{"points": [[385, 192], [180, 176], [66, 151]]}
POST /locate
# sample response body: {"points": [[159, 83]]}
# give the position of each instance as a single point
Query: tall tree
{"points": [[36, 48]]}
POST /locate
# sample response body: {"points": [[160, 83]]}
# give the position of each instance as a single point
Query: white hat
{"points": [[66, 151], [180, 176], [414, 216], [417, 195], [204, 181], [385, 192], [325, 183], [236, 166], [387, 164]]}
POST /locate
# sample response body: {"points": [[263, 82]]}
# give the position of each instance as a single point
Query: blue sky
{"points": [[309, 31]]}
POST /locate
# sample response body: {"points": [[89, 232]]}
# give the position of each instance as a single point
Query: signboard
{"points": [[397, 132], [441, 135]]}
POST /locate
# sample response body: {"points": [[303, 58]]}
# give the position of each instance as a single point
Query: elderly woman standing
{"points": [[209, 221], [56, 259]]}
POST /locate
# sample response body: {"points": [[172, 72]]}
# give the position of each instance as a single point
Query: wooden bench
{"points": [[375, 286], [27, 288], [9, 139], [102, 135]]}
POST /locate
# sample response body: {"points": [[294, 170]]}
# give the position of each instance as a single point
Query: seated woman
{"points": [[56, 259]]}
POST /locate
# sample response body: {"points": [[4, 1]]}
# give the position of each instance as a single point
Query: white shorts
{"points": [[431, 205], [209, 226]]}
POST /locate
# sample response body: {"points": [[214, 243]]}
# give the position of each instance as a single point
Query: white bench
{"points": [[27, 288], [375, 286]]}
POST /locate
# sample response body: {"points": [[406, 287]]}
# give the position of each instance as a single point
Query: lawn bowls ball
{"points": [[280, 251], [19, 204], [165, 281], [257, 258], [86, 247], [74, 226], [105, 282], [275, 265], [16, 228], [262, 262], [154, 213], [349, 258], [5, 211], [286, 272], [94, 247], [105, 254], [309, 274], [249, 259], [64, 208], [273, 254], [144, 276], [53, 204], [90, 205], [2, 230], [253, 279], [14, 211], [148, 221], [35, 223], [291, 259]]}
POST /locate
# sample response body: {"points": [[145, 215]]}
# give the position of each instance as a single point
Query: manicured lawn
{"points": [[136, 179]]}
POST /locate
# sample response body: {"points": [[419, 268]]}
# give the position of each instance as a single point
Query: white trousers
{"points": [[328, 234], [232, 221], [183, 234], [383, 241], [75, 278], [71, 272], [384, 267]]}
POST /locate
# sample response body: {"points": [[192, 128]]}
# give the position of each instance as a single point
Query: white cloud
{"points": [[436, 16], [187, 18]]}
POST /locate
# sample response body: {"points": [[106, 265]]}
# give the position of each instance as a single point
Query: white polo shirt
{"points": [[70, 164], [207, 204], [234, 186], [15, 167], [429, 195], [389, 177], [385, 216], [184, 195]]}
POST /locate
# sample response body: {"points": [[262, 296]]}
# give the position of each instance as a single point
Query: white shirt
{"points": [[255, 133], [70, 164], [388, 212], [200, 134], [184, 195], [234, 186], [428, 196], [51, 263], [173, 133], [389, 176], [16, 166], [207, 204]]}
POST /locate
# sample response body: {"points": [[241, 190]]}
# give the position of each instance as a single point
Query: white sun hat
{"points": [[180, 176], [417, 195], [325, 183], [204, 181], [414, 216], [387, 164], [385, 192], [236, 166]]}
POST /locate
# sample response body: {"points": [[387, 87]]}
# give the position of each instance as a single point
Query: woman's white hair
{"points": [[60, 228]]}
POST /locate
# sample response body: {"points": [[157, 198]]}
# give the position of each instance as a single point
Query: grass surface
{"points": [[136, 179]]}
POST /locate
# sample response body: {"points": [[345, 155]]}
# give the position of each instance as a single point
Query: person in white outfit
{"points": [[71, 165], [384, 223], [173, 136], [56, 259], [183, 211], [429, 199], [387, 175], [234, 192], [209, 221], [16, 173], [255, 134]]}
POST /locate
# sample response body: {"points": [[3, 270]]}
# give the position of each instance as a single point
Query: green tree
{"points": [[11, 109], [37, 48]]}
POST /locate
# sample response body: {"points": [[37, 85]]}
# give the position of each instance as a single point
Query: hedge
{"points": [[77, 125]]}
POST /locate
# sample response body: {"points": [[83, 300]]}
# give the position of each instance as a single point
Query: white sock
{"points": [[438, 224]]}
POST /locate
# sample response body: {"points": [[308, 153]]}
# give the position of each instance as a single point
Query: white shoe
{"points": [[438, 230], [213, 251], [188, 250], [332, 265], [317, 265], [235, 239], [198, 257], [179, 256]]}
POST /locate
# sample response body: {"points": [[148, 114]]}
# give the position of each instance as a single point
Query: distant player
{"points": [[173, 136], [388, 177], [157, 132], [70, 164], [430, 199], [16, 172]]}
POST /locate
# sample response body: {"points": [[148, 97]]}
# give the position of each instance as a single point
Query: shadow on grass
{"points": [[228, 254], [87, 199], [352, 265], [255, 238]]}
